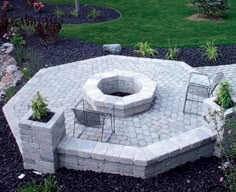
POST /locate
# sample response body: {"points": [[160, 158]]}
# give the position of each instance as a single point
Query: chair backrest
{"points": [[89, 118], [216, 80]]}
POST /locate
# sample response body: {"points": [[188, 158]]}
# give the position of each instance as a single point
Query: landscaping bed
{"points": [[105, 14], [70, 50]]}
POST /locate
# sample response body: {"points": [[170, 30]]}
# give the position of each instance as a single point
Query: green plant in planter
{"points": [[224, 98], [144, 49], [39, 107], [93, 14], [172, 53]]}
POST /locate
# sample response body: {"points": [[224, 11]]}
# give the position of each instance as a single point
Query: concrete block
{"points": [[74, 167], [71, 160], [158, 150], [113, 153], [127, 155], [73, 146], [61, 147], [100, 150], [86, 148], [26, 138], [137, 173]]}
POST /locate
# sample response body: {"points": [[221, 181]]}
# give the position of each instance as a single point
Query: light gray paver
{"points": [[62, 87]]}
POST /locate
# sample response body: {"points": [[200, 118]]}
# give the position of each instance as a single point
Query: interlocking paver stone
{"points": [[62, 87]]}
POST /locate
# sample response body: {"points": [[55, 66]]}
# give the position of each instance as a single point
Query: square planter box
{"points": [[40, 140], [210, 106]]}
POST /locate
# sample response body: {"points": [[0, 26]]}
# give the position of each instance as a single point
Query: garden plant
{"points": [[39, 107]]}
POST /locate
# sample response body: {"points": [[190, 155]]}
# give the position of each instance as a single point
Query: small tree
{"points": [[212, 8], [39, 107], [76, 5], [224, 95]]}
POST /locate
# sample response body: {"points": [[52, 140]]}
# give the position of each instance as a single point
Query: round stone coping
{"points": [[97, 98]]}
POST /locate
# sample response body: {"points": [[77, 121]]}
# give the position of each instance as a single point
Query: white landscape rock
{"points": [[112, 48], [11, 69]]}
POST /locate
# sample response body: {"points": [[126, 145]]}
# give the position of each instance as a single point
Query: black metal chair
{"points": [[201, 89], [94, 119]]}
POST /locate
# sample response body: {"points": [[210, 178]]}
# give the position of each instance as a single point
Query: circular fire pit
{"points": [[126, 92]]}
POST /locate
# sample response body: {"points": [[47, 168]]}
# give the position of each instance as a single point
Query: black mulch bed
{"points": [[106, 14], [192, 177], [70, 50]]}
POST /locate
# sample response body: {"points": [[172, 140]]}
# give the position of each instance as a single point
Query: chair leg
{"points": [[185, 100], [74, 128], [102, 133]]}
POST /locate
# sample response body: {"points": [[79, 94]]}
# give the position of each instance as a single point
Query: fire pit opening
{"points": [[119, 86]]}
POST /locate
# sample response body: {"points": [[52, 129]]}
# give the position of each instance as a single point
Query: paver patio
{"points": [[62, 87]]}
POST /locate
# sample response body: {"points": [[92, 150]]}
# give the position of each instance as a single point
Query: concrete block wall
{"points": [[39, 142], [141, 162]]}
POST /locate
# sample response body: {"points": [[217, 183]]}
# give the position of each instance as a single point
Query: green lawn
{"points": [[160, 22]]}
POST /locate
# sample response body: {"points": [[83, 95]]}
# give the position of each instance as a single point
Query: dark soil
{"points": [[45, 119], [105, 14], [70, 50]]}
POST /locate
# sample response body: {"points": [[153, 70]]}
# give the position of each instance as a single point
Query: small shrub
{"points": [[20, 54], [211, 51], [39, 107], [26, 24], [26, 73], [144, 49], [172, 53], [17, 40], [35, 62], [6, 6], [48, 30], [93, 14], [38, 6], [49, 184], [32, 187], [74, 13], [10, 91], [224, 98], [212, 8], [59, 13]]}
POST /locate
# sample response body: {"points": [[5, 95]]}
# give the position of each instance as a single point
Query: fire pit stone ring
{"points": [[123, 92]]}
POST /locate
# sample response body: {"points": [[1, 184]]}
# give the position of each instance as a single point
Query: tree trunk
{"points": [[77, 5]]}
